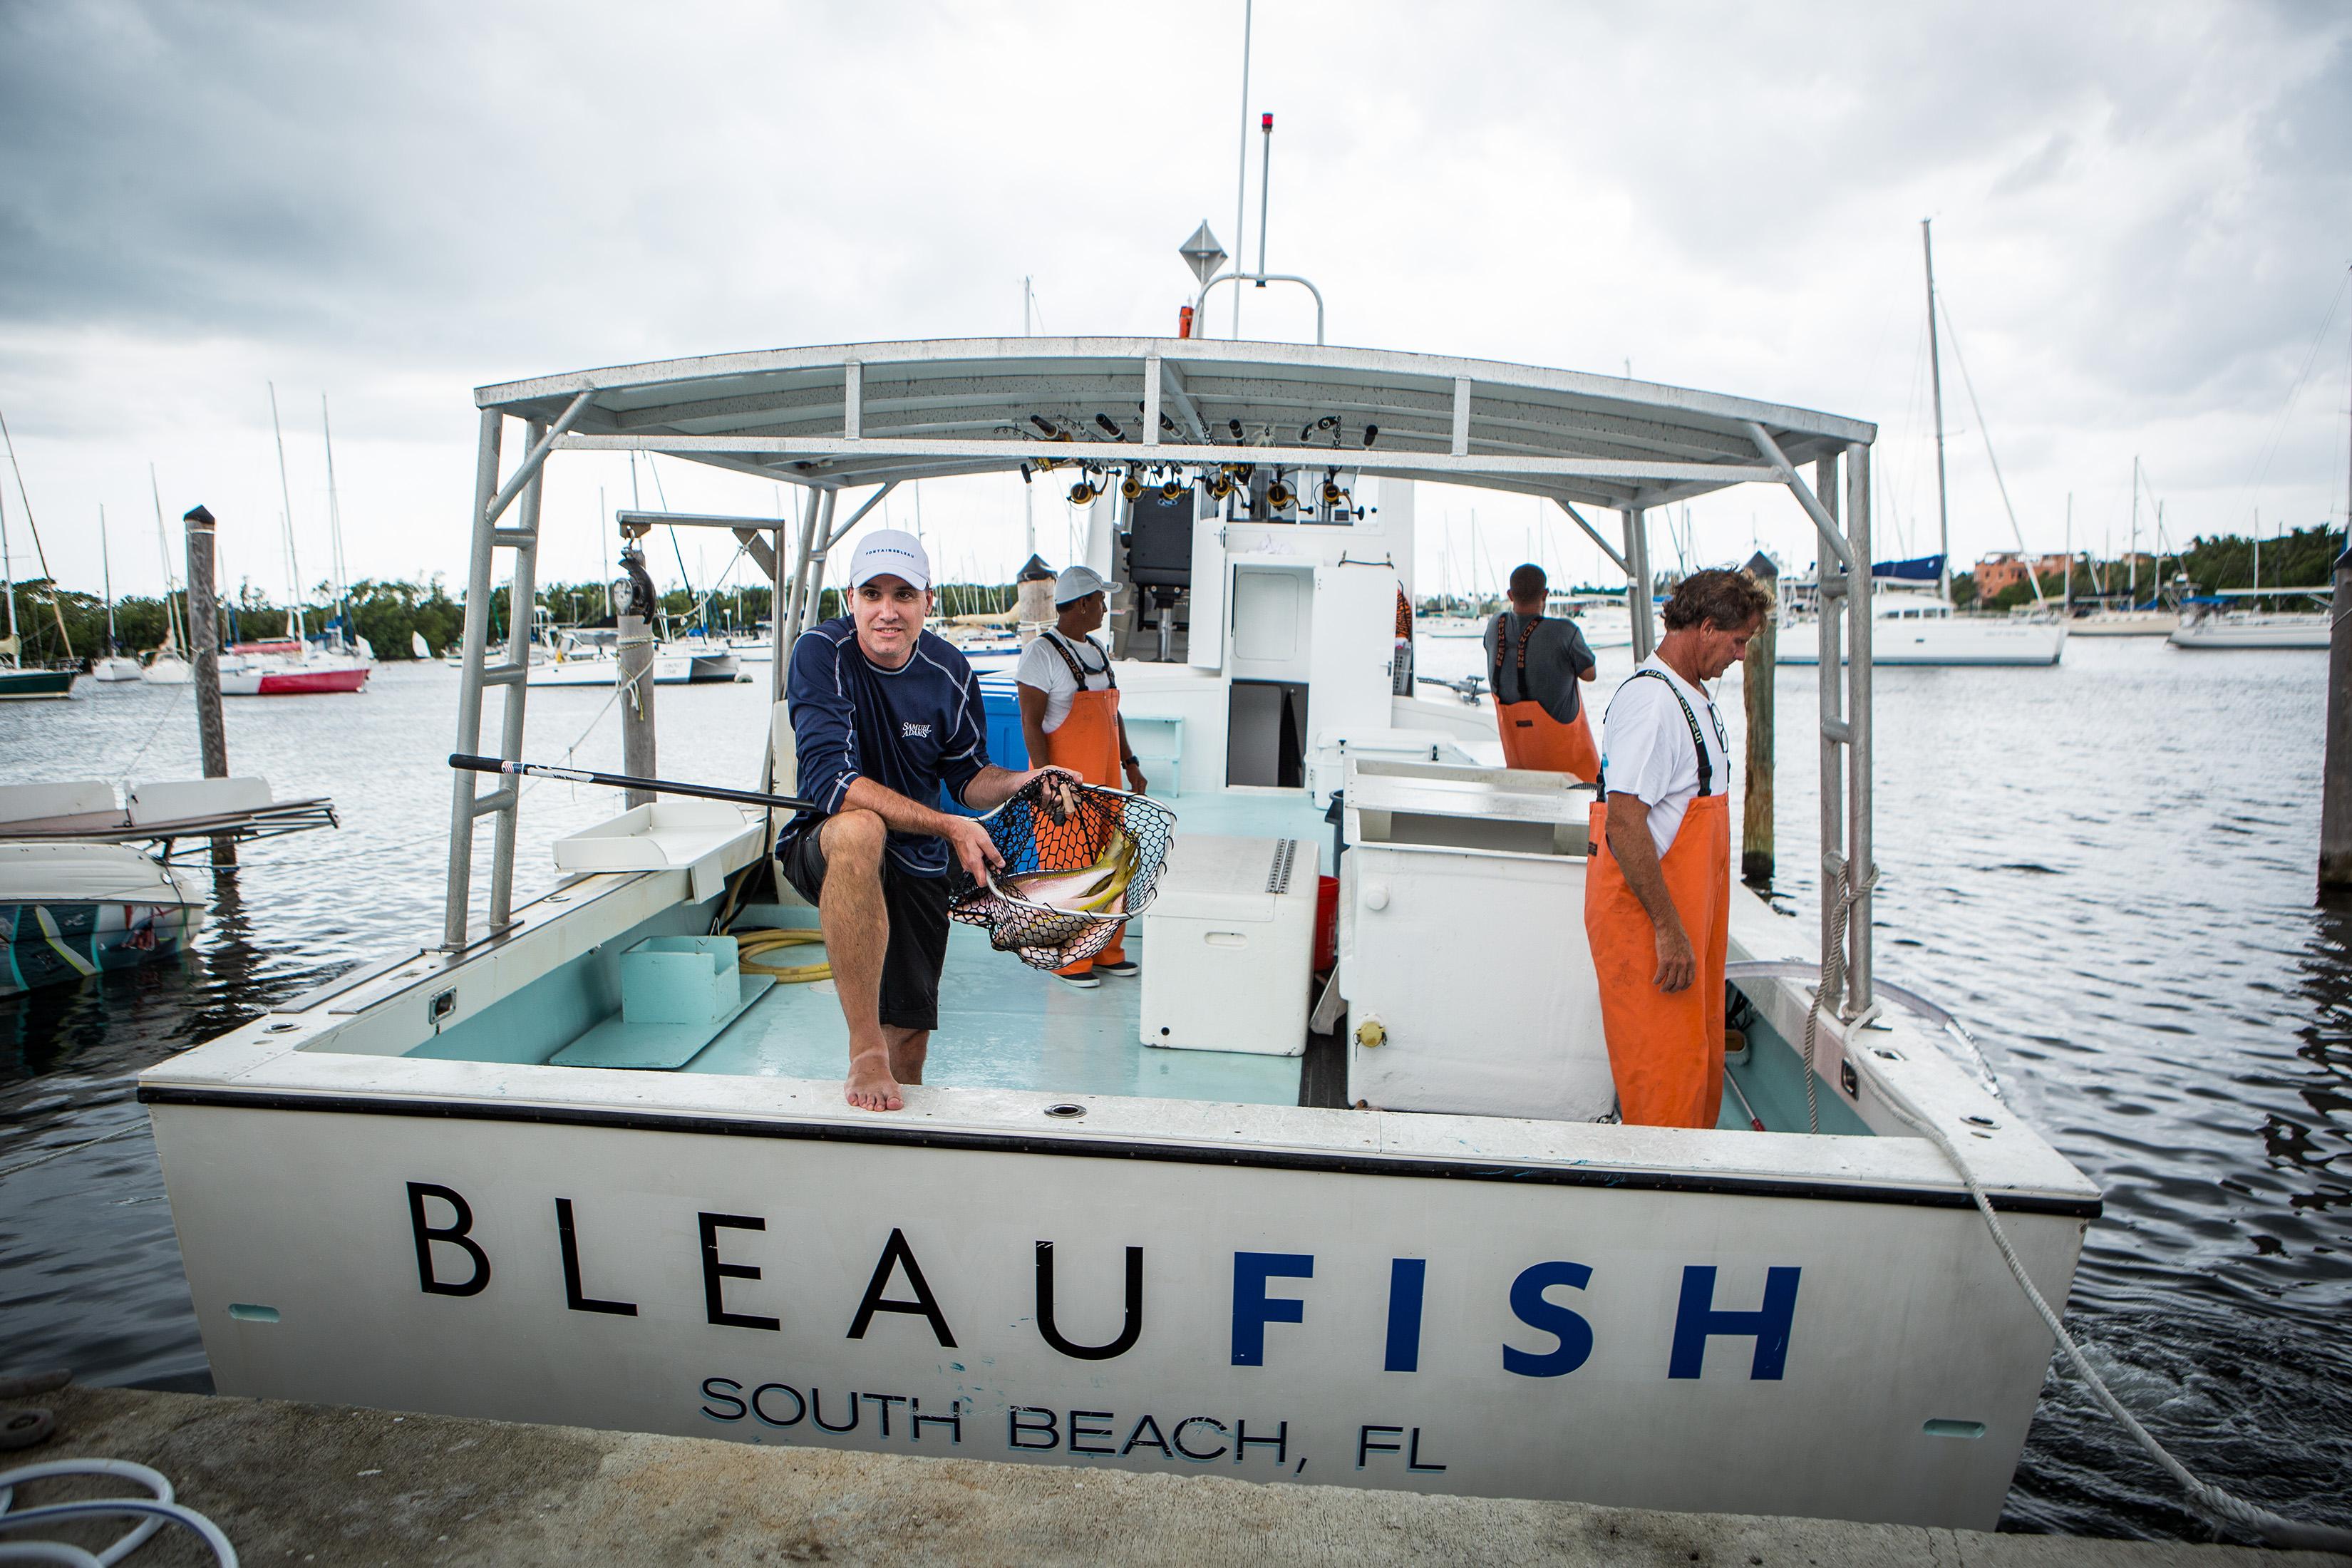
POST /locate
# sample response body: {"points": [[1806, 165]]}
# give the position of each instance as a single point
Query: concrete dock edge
{"points": [[331, 1486]]}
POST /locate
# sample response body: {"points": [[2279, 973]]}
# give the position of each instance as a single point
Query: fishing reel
{"points": [[1329, 422], [1174, 488], [1221, 484], [1083, 494], [1334, 497], [1280, 497], [1130, 487]]}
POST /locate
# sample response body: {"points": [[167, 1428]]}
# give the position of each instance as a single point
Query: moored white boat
{"points": [[2105, 623], [72, 911], [1073, 1246], [1922, 628], [167, 669], [114, 668], [2247, 630]]}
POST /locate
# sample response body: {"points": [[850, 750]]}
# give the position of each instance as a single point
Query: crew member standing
{"points": [[1657, 891], [1069, 717], [1534, 666]]}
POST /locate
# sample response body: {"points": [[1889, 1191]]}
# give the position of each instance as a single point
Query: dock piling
{"points": [[203, 637], [1755, 683], [2335, 772], [636, 675]]}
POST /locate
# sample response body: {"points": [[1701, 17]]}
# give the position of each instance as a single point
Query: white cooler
{"points": [[1229, 945]]}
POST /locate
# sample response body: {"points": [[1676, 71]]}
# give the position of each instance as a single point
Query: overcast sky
{"points": [[2143, 218]]}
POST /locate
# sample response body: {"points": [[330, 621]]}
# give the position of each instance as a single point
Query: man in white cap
{"points": [[883, 714], [1069, 717]]}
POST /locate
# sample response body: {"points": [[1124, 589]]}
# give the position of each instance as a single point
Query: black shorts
{"points": [[917, 908]]}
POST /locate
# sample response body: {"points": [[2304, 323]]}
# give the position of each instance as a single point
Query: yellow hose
{"points": [[751, 942]]}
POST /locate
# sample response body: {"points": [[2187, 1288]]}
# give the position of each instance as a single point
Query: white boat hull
{"points": [[1953, 640], [669, 669], [114, 669], [167, 669], [2268, 632], [1710, 1321]]}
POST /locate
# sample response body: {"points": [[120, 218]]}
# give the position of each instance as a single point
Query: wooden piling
{"points": [[636, 674], [2336, 773], [204, 639], [1756, 681]]}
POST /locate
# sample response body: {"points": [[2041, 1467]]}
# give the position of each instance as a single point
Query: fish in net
{"points": [[1078, 861]]}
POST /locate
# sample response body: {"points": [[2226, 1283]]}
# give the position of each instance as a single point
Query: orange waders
{"points": [[1665, 1049], [1533, 738], [1088, 744]]}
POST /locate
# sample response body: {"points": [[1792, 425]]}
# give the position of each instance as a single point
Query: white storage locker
{"points": [[1454, 879], [1229, 945]]}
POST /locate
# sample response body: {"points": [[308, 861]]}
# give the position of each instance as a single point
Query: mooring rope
{"points": [[2214, 1501], [1840, 901]]}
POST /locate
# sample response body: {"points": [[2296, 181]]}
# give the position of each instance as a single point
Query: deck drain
{"points": [[1979, 1122], [1066, 1109], [280, 1028]]}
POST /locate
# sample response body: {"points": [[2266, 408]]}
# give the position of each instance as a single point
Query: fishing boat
{"points": [[72, 911], [1358, 1217]]}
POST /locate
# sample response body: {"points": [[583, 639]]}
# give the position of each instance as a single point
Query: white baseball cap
{"points": [[1078, 581], [890, 552]]}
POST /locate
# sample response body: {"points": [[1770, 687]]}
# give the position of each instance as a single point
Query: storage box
{"points": [[1229, 946], [1463, 956]]}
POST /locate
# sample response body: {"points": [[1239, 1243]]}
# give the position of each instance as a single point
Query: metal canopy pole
{"points": [[523, 611], [1834, 585], [1593, 534], [816, 520], [470, 672], [1637, 582], [1863, 871]]}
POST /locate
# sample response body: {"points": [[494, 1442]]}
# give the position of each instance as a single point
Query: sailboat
{"points": [[112, 665], [167, 665], [1913, 622], [291, 667], [17, 683]]}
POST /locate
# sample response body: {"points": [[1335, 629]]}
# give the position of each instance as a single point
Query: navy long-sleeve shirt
{"points": [[908, 730]]}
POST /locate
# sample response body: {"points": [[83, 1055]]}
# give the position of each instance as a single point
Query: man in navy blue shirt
{"points": [[882, 713]]}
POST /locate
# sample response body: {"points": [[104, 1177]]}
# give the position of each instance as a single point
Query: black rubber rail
{"points": [[625, 781]]}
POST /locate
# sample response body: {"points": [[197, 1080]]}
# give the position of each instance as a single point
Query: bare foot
{"points": [[871, 1087]]}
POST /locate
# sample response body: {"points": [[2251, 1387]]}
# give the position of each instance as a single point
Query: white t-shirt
{"points": [[1044, 668], [1646, 751]]}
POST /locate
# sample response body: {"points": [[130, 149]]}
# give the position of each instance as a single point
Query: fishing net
{"points": [[1055, 824]]}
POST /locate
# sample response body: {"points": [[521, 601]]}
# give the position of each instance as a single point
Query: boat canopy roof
{"points": [[862, 413]]}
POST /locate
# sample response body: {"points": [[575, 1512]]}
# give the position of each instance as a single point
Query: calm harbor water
{"points": [[2105, 870]]}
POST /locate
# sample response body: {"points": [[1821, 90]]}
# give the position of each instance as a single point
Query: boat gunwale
{"points": [[1581, 1174]]}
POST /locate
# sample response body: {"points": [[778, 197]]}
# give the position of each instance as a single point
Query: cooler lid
{"points": [[1214, 876]]}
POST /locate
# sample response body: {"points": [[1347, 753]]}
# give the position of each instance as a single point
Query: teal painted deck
{"points": [[1004, 1025]]}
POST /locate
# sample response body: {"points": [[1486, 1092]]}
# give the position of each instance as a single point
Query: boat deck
{"points": [[1004, 1025]]}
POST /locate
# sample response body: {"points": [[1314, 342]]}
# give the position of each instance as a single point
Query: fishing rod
{"points": [[464, 762]]}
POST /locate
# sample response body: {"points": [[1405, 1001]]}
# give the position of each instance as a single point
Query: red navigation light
{"points": [[1266, 124]]}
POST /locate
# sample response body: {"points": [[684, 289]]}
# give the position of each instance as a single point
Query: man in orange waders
{"points": [[1533, 665], [1069, 716], [1658, 888]]}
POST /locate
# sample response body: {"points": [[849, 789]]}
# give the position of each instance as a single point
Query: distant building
{"points": [[2005, 569]]}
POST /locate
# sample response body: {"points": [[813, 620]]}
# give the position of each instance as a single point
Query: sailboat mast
{"points": [[106, 580], [335, 527], [2131, 554], [293, 570], [163, 551], [7, 581], [1936, 382]]}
